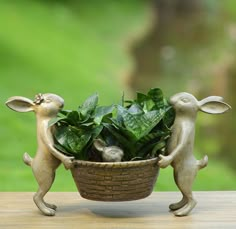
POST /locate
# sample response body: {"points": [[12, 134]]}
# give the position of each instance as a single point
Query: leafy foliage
{"points": [[140, 127], [76, 130]]}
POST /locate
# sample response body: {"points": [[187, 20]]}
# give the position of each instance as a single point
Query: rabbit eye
{"points": [[185, 100], [38, 99], [48, 100]]}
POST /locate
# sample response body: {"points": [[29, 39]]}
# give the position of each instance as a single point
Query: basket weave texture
{"points": [[115, 181]]}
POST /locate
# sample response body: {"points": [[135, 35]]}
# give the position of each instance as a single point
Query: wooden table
{"points": [[214, 210]]}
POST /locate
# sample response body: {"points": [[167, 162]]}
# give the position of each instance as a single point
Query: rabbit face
{"points": [[48, 104], [112, 154], [184, 102]]}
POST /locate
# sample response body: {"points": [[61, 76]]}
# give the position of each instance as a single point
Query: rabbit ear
{"points": [[20, 104], [211, 99], [99, 144], [213, 105]]}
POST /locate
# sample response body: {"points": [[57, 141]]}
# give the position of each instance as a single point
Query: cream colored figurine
{"points": [[179, 148], [47, 158], [181, 145], [109, 153]]}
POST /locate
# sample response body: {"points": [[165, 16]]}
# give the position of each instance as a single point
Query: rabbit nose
{"points": [[172, 100]]}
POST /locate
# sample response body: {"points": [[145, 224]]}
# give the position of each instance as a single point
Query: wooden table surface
{"points": [[214, 210]]}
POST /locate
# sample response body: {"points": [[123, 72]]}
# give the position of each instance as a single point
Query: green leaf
{"points": [[86, 124], [123, 130], [151, 137], [116, 132], [101, 112], [72, 139], [61, 133], [128, 102], [151, 119], [135, 109], [141, 98], [141, 127], [73, 118], [151, 150], [144, 151], [158, 146], [64, 112], [120, 137], [61, 116], [89, 105], [148, 105], [78, 141], [140, 124], [55, 120], [96, 131], [169, 117], [62, 149], [157, 96]]}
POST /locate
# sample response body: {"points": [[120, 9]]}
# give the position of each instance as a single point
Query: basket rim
{"points": [[115, 164]]}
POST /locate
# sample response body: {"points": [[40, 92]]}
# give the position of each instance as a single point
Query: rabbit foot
{"points": [[48, 211], [52, 206], [176, 206], [186, 209], [44, 208]]}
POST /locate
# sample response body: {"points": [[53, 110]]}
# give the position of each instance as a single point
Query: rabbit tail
{"points": [[27, 159], [202, 163]]}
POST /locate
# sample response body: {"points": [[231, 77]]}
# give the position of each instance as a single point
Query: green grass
{"points": [[74, 52]]}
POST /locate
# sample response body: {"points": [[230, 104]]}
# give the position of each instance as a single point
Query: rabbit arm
{"points": [[164, 161], [48, 141], [183, 135]]}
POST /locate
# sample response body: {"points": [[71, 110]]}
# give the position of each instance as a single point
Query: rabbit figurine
{"points": [[181, 145], [109, 153], [47, 158]]}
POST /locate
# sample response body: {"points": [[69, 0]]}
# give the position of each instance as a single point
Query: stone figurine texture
{"points": [[47, 158], [179, 148], [181, 145], [109, 153]]}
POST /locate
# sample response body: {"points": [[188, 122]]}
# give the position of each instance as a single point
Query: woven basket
{"points": [[115, 181]]}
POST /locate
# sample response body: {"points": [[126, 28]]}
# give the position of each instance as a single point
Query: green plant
{"points": [[76, 130], [140, 127]]}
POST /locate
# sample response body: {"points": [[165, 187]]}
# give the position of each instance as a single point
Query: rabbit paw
{"points": [[164, 161], [68, 162]]}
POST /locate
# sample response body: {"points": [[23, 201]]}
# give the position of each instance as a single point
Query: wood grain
{"points": [[214, 210]]}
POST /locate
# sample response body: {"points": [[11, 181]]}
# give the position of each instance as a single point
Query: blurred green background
{"points": [[75, 48]]}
